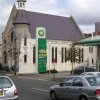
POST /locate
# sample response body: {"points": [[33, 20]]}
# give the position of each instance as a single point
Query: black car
{"points": [[81, 69]]}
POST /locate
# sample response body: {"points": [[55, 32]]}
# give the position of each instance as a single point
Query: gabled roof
{"points": [[57, 27]]}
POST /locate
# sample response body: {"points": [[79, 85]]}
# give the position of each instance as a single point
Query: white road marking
{"points": [[34, 79], [40, 90]]}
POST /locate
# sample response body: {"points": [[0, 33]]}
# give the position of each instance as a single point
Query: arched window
{"points": [[52, 54], [34, 54], [12, 36], [82, 54], [25, 41], [66, 55], [25, 58], [62, 53], [92, 61], [5, 41], [5, 57], [56, 54]]}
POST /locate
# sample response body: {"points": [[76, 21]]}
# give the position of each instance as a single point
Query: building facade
{"points": [[21, 47]]}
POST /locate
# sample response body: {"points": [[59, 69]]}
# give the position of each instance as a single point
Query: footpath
{"points": [[47, 76]]}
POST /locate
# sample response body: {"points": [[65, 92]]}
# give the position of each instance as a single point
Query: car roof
{"points": [[91, 72], [4, 76], [82, 76]]}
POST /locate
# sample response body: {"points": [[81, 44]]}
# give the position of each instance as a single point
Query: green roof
{"points": [[21, 0], [89, 41]]}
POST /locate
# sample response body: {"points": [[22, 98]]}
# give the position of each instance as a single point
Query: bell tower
{"points": [[21, 4]]}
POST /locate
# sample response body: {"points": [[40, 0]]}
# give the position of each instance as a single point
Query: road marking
{"points": [[40, 90], [34, 79]]}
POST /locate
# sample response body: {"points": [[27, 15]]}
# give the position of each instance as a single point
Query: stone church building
{"points": [[35, 42]]}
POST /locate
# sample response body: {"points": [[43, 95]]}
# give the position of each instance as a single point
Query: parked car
{"points": [[81, 69], [91, 73], [77, 88], [8, 90]]}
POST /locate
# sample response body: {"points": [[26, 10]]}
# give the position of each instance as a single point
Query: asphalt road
{"points": [[32, 89]]}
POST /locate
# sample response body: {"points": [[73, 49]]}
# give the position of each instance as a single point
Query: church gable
{"points": [[9, 26]]}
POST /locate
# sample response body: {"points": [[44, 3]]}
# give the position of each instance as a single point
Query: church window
{"points": [[79, 55], [66, 55], [5, 41], [52, 54], [62, 53], [5, 57], [92, 61], [34, 54], [25, 58], [12, 36], [20, 4], [82, 55], [90, 49], [25, 41], [56, 54]]}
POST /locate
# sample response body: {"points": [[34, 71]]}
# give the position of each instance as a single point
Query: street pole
{"points": [[49, 61]]}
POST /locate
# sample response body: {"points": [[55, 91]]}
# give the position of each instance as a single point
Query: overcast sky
{"points": [[85, 12]]}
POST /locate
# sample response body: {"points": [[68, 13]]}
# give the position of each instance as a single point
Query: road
{"points": [[32, 89]]}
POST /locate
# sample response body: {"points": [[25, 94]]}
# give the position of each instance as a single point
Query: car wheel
{"points": [[53, 95], [83, 98]]}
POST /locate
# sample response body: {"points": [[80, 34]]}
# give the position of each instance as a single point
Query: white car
{"points": [[8, 89], [91, 73]]}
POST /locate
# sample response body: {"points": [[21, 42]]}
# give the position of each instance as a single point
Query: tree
{"points": [[72, 55]]}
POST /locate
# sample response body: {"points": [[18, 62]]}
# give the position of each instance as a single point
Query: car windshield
{"points": [[5, 83], [93, 81], [98, 74]]}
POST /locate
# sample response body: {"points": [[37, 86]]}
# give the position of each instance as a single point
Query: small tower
{"points": [[21, 4]]}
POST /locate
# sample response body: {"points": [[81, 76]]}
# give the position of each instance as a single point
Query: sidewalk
{"points": [[46, 76]]}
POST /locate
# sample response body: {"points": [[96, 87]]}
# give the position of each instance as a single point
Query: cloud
{"points": [[87, 28], [46, 6], [5, 6], [85, 12]]}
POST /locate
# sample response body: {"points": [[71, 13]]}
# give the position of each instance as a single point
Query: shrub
{"points": [[52, 71], [6, 68]]}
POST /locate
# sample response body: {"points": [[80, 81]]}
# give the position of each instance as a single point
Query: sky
{"points": [[85, 12]]}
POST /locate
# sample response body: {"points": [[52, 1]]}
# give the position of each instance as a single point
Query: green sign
{"points": [[42, 55]]}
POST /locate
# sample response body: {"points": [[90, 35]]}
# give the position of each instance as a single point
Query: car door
{"points": [[68, 82], [76, 88]]}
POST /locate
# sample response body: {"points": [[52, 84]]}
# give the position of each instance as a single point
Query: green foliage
{"points": [[72, 54], [52, 71]]}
